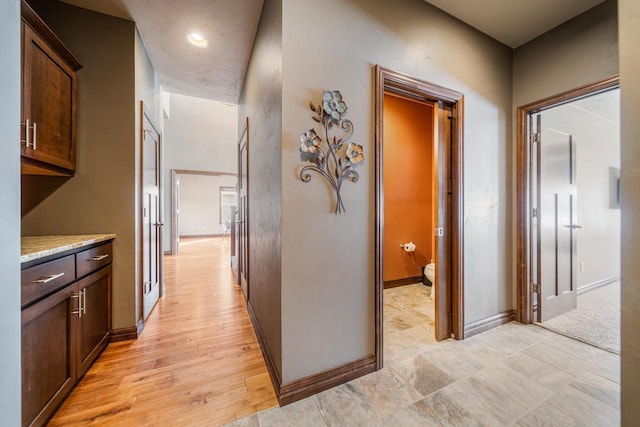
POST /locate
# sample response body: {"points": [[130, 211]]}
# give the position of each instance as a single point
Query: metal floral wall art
{"points": [[330, 153]]}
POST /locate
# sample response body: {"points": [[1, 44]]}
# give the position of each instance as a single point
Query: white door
{"points": [[151, 219]]}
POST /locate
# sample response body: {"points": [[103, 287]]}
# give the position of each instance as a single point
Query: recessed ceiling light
{"points": [[197, 40]]}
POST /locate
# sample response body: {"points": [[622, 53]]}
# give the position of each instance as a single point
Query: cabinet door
{"points": [[95, 322], [48, 368], [48, 102]]}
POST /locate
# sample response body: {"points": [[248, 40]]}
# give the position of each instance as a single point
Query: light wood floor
{"points": [[196, 363]]}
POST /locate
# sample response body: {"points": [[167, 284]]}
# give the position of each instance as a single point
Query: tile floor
{"points": [[513, 375]]}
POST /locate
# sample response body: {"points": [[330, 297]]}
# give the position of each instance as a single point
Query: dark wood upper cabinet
{"points": [[48, 127]]}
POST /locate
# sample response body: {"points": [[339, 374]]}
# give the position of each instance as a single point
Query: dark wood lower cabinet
{"points": [[48, 368], [62, 335], [94, 324]]}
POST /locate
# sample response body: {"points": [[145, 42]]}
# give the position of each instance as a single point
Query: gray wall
{"points": [[102, 197], [10, 212], [261, 101], [597, 142], [630, 97], [200, 135], [576, 53], [328, 260]]}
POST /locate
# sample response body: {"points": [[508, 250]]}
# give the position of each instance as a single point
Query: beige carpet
{"points": [[596, 320]]}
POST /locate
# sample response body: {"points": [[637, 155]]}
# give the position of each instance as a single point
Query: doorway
{"points": [[202, 203], [151, 212], [446, 117], [241, 226], [569, 217]]}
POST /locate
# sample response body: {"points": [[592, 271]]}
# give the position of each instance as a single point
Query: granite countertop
{"points": [[35, 247]]}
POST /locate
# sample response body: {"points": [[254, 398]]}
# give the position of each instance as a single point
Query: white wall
{"points": [[328, 260], [199, 135], [199, 204], [10, 213], [630, 108], [597, 141]]}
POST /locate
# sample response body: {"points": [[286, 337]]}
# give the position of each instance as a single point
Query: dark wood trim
{"points": [[411, 88], [572, 95], [276, 381], [457, 220], [325, 380], [388, 284], [379, 78], [524, 309], [244, 136], [129, 333], [490, 322], [597, 284], [124, 334]]}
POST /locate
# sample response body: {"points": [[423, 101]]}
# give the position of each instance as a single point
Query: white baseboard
{"points": [[595, 285]]}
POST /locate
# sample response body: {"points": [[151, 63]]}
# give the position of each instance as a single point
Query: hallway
{"points": [[513, 375], [197, 361]]}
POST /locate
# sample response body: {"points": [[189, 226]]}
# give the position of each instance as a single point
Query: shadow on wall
{"points": [[36, 188]]}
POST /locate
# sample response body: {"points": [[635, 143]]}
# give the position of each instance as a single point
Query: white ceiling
{"points": [[230, 25], [216, 72], [514, 22]]}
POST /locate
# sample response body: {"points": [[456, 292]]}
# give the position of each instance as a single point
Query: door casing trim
{"points": [[524, 309], [146, 114], [398, 83]]}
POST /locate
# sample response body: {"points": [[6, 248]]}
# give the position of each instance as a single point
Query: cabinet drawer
{"points": [[43, 279], [93, 259]]}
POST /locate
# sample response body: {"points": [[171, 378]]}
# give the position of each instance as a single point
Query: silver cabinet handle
{"points": [[26, 140], [49, 278], [84, 301], [79, 310], [573, 226], [100, 257], [27, 133]]}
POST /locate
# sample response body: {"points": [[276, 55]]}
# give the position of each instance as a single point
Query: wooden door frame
{"points": [[244, 135], [146, 114], [393, 82], [175, 175], [524, 309]]}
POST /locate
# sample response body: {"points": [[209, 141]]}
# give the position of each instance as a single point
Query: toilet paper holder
{"points": [[408, 247]]}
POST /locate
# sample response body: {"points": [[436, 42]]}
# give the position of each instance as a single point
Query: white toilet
{"points": [[430, 274]]}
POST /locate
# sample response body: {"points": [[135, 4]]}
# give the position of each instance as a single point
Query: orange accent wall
{"points": [[408, 186]]}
